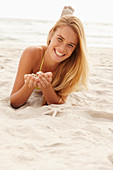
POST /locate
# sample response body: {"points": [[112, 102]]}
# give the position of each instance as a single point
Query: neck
{"points": [[49, 64]]}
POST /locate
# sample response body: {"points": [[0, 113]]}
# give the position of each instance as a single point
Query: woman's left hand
{"points": [[44, 79]]}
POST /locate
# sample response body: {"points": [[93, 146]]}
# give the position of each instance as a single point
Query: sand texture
{"points": [[77, 135]]}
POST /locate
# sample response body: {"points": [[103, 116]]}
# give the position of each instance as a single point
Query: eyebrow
{"points": [[64, 39]]}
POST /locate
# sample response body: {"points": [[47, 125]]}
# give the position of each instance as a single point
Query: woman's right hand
{"points": [[30, 80]]}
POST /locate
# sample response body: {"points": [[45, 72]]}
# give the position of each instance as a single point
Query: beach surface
{"points": [[77, 135]]}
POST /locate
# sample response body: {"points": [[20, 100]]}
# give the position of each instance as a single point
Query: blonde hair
{"points": [[72, 72]]}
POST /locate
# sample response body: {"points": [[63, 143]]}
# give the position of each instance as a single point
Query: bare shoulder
{"points": [[33, 52], [33, 55]]}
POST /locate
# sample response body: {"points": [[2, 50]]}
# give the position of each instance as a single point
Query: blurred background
{"points": [[27, 22], [87, 10]]}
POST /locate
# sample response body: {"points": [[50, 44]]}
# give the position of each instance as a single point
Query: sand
{"points": [[77, 135]]}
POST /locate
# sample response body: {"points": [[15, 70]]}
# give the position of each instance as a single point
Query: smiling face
{"points": [[63, 43]]}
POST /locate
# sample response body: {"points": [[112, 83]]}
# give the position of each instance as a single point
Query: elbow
{"points": [[15, 104]]}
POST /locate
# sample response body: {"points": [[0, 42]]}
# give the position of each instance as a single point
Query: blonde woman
{"points": [[56, 69]]}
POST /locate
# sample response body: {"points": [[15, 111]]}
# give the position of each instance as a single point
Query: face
{"points": [[63, 43]]}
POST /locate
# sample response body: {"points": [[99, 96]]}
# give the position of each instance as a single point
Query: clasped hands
{"points": [[40, 79]]}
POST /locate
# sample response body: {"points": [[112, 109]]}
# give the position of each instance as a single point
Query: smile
{"points": [[58, 53]]}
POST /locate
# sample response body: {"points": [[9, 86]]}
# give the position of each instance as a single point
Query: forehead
{"points": [[67, 33]]}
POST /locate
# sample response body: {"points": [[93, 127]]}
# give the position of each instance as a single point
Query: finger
{"points": [[43, 82], [31, 82], [36, 79], [33, 74], [34, 83], [27, 81], [49, 74], [38, 73], [48, 77], [41, 74], [45, 79], [25, 76]]}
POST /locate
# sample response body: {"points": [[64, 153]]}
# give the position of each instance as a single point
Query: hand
{"points": [[44, 79], [30, 80]]}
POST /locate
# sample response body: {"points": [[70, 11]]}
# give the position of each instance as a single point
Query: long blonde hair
{"points": [[72, 72]]}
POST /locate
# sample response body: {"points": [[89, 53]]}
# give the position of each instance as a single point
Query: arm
{"points": [[51, 97], [21, 91], [44, 82], [20, 97]]}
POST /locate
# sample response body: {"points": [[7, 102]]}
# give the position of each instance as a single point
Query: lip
{"points": [[58, 53]]}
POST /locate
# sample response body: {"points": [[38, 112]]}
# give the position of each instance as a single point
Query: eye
{"points": [[60, 39], [70, 45]]}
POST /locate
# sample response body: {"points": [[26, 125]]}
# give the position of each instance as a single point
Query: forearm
{"points": [[50, 95], [20, 97]]}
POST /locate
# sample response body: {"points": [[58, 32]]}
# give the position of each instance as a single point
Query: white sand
{"points": [[75, 136]]}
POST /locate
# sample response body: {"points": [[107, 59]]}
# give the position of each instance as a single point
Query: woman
{"points": [[62, 64]]}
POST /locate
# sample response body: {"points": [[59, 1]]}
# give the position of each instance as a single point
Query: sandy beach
{"points": [[77, 135]]}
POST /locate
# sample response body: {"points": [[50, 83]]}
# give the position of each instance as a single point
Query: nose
{"points": [[63, 47]]}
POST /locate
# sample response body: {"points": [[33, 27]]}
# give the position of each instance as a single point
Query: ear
{"points": [[49, 36]]}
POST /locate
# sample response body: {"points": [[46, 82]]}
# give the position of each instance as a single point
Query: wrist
{"points": [[48, 87]]}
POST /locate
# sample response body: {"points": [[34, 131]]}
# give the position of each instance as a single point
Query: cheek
{"points": [[55, 42], [70, 51], [52, 44]]}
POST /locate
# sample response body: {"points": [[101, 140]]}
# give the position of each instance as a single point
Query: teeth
{"points": [[60, 54]]}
